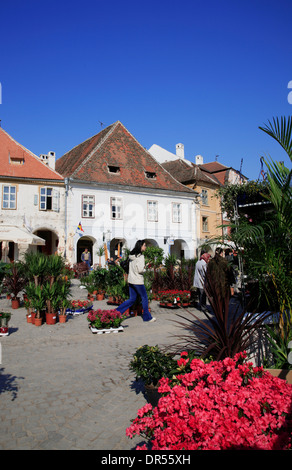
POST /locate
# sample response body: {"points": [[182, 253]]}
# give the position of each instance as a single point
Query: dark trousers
{"points": [[202, 298], [135, 290]]}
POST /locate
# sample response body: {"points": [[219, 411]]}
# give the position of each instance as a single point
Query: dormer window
{"points": [[151, 175], [113, 169], [16, 160]]}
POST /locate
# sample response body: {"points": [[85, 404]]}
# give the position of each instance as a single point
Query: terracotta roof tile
{"points": [[115, 146], [16, 161], [185, 172]]}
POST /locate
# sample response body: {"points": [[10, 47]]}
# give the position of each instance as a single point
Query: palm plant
{"points": [[227, 330], [38, 301], [55, 266], [36, 264]]}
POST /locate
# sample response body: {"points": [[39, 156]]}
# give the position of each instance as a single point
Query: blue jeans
{"points": [[134, 290]]}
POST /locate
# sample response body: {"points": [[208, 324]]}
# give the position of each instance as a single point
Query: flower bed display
{"points": [[106, 321], [174, 298], [79, 306], [220, 405]]}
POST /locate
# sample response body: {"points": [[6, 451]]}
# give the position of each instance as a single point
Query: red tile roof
{"points": [[189, 172], [115, 146], [220, 171], [16, 161]]}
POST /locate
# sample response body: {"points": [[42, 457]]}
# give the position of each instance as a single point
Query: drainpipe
{"points": [[66, 197]]}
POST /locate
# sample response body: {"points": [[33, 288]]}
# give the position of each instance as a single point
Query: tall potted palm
{"points": [[39, 304], [36, 265], [50, 291]]}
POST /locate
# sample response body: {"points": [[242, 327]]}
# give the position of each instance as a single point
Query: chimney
{"points": [[49, 159], [199, 160], [180, 150]]}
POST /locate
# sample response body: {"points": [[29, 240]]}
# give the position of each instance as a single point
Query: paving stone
{"points": [[63, 388]]}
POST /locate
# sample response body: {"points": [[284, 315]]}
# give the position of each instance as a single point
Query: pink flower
{"points": [[221, 405]]}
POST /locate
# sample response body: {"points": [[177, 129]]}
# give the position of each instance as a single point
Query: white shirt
{"points": [[200, 273]]}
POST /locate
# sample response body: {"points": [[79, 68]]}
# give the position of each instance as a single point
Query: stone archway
{"points": [[180, 249], [84, 242], [116, 247], [51, 238]]}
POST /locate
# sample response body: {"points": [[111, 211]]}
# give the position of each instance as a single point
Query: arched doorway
{"points": [[52, 241], [179, 249], [151, 242], [116, 247], [84, 242]]}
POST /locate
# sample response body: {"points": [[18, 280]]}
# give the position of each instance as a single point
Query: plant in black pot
{"points": [[150, 364]]}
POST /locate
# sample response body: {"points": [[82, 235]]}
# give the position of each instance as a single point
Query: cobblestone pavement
{"points": [[65, 388]]}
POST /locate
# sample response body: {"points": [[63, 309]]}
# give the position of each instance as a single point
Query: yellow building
{"points": [[209, 216]]}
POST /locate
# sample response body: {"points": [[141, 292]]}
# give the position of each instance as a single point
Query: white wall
{"points": [[134, 224], [27, 210]]}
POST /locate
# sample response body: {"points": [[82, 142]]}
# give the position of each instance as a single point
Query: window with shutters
{"points": [[49, 199]]}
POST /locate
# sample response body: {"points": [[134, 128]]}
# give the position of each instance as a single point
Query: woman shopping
{"points": [[136, 281]]}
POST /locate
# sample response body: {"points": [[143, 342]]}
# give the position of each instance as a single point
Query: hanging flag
{"points": [[79, 228]]}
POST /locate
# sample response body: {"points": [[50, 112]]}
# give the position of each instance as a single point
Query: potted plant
{"points": [[105, 320], [39, 303], [64, 304], [80, 306], [36, 266], [100, 253], [100, 280], [150, 364], [14, 283], [30, 293], [4, 319], [50, 291], [62, 301]]}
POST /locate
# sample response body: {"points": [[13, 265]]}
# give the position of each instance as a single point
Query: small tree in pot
{"points": [[15, 282]]}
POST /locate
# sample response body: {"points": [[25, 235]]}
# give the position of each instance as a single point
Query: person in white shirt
{"points": [[136, 281], [199, 278]]}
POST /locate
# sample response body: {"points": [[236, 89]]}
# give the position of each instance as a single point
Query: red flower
{"points": [[221, 405]]}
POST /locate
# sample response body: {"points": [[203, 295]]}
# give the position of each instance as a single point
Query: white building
{"points": [[119, 194], [32, 203]]}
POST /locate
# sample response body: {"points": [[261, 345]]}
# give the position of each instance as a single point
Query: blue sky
{"points": [[204, 73]]}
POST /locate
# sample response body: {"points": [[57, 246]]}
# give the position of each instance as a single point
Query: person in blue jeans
{"points": [[136, 281]]}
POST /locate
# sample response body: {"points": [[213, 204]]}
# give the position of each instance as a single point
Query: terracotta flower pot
{"points": [[62, 318], [38, 321], [15, 303], [32, 317], [51, 318], [99, 296]]}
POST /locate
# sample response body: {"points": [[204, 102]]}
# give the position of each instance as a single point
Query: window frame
{"points": [[204, 229], [88, 203], [205, 197], [155, 212], [118, 204], [178, 213], [9, 186], [54, 196]]}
